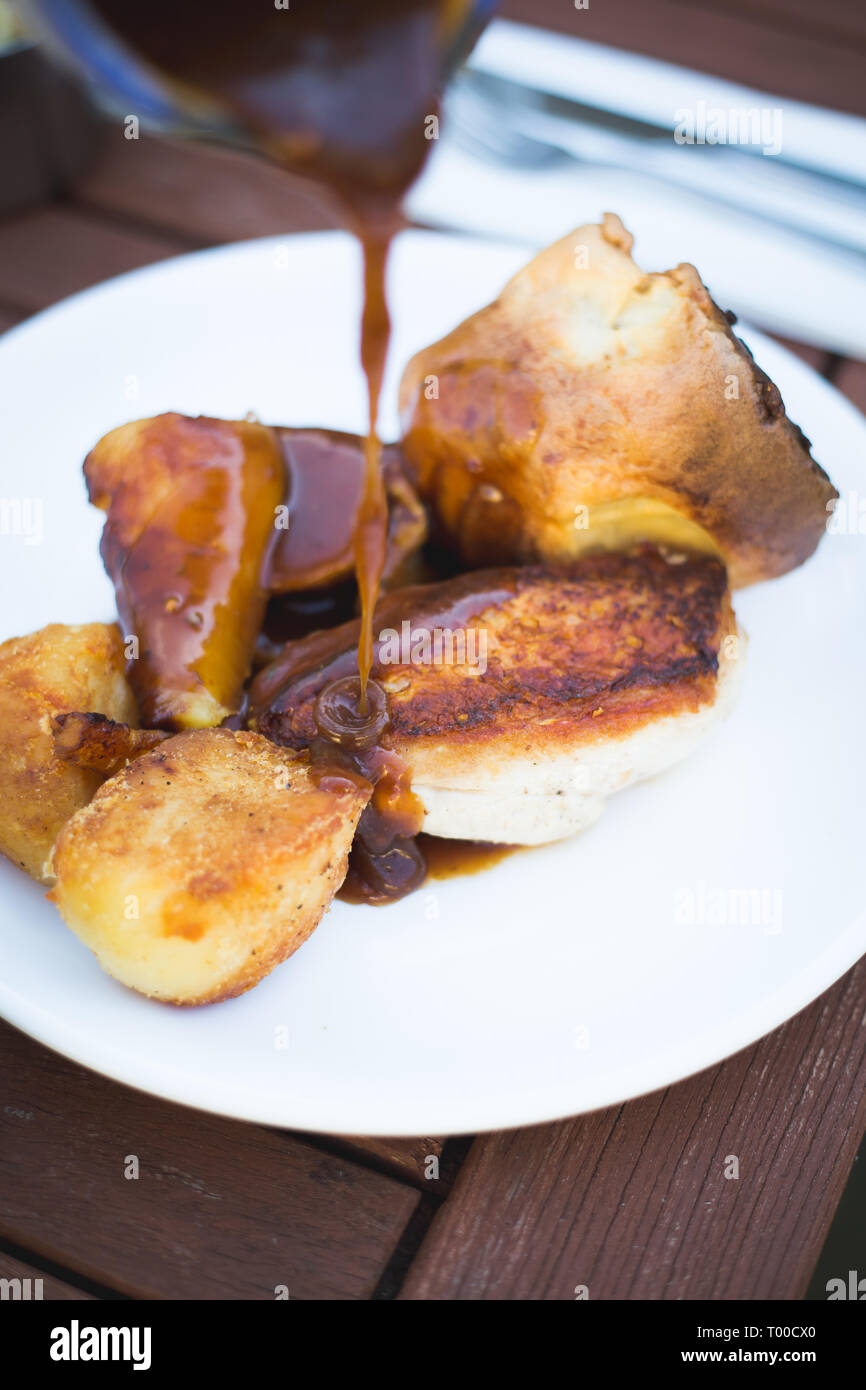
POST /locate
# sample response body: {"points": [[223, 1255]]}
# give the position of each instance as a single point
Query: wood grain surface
{"points": [[808, 52], [50, 1290], [197, 191], [219, 1210], [49, 253], [634, 1202], [9, 318], [421, 1162], [850, 378]]}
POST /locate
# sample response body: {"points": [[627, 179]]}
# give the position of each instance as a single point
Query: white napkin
{"points": [[780, 279]]}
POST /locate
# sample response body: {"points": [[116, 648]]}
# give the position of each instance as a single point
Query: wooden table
{"points": [[630, 1201]]}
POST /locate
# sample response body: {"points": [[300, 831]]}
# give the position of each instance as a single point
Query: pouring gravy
{"points": [[343, 93]]}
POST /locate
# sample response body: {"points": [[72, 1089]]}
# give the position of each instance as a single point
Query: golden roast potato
{"points": [[191, 508], [48, 673], [204, 863]]}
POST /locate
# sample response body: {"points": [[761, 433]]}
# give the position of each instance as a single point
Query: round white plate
{"points": [[704, 908]]}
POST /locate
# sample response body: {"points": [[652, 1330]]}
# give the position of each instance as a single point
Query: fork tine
{"points": [[487, 130]]}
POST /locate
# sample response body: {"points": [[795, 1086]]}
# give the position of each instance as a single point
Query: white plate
{"points": [[564, 979]]}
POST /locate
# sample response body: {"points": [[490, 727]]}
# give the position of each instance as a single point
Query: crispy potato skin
{"points": [[593, 405], [92, 740], [204, 863], [190, 516], [48, 673]]}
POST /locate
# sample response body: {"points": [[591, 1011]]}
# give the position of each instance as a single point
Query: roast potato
{"points": [[49, 673], [205, 863], [191, 510]]}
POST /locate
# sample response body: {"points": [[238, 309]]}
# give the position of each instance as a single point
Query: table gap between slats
{"points": [[155, 1200], [634, 1202]]}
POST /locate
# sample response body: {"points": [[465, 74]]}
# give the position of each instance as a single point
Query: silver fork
{"points": [[504, 123]]}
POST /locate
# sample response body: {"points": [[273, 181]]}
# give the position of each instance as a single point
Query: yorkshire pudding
{"points": [[593, 405]]}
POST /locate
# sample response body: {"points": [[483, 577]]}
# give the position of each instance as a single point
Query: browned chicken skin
{"points": [[555, 687], [621, 636]]}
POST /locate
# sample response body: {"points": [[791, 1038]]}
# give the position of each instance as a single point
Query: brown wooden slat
{"points": [[52, 1289], [743, 47], [220, 1209], [408, 1159], [199, 190], [843, 21], [8, 318], [632, 1202], [850, 378], [816, 357], [53, 252]]}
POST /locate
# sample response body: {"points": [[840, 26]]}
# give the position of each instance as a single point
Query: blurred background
{"points": [[723, 132]]}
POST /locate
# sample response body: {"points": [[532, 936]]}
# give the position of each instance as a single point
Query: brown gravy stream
{"points": [[340, 93], [371, 526]]}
